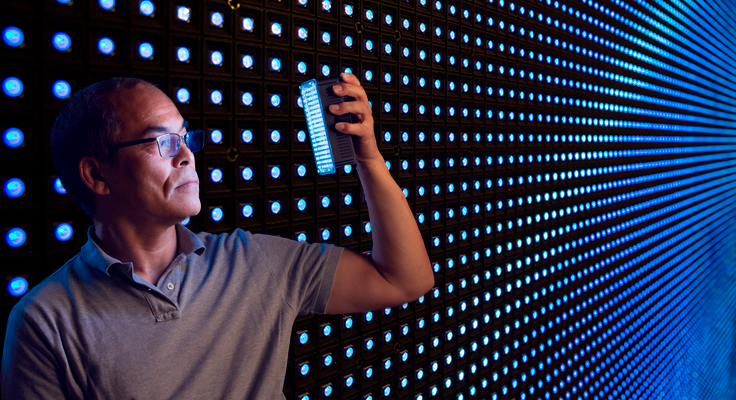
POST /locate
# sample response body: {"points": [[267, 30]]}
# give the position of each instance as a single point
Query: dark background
{"points": [[590, 253]]}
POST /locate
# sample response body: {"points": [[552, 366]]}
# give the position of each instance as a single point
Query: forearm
{"points": [[398, 250]]}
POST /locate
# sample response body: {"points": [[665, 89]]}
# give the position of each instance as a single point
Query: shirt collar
{"points": [[93, 255]]}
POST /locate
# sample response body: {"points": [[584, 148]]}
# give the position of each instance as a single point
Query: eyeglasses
{"points": [[169, 143]]}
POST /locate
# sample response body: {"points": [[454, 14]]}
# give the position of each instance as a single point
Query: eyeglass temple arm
{"points": [[131, 143]]}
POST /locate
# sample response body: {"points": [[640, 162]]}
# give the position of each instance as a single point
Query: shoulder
{"points": [[227, 240], [239, 237], [43, 300]]}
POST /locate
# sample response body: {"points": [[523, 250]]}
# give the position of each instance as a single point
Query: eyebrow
{"points": [[162, 129]]}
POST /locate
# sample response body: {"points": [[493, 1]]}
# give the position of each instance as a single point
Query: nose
{"points": [[185, 156]]}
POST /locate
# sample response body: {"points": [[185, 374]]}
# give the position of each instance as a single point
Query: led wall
{"points": [[570, 165]]}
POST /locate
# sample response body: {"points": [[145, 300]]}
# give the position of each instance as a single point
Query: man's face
{"points": [[145, 184]]}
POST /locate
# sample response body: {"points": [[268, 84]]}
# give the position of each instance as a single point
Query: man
{"points": [[149, 310]]}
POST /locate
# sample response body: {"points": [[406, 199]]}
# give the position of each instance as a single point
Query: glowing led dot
{"points": [[248, 24], [14, 188], [276, 29], [217, 19], [63, 232], [61, 89], [106, 4], [301, 170], [247, 99], [182, 54], [216, 134], [15, 237], [17, 286], [61, 41], [13, 36], [182, 95], [106, 46], [216, 175], [12, 87], [13, 137], [247, 136], [275, 100], [145, 50], [183, 13], [216, 97], [58, 186], [146, 7], [216, 58]]}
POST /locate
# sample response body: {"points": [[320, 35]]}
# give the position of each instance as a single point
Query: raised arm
{"points": [[398, 269]]}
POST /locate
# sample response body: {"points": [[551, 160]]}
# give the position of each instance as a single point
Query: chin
{"points": [[188, 209]]}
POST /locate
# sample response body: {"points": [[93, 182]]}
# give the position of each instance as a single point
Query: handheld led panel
{"points": [[331, 148]]}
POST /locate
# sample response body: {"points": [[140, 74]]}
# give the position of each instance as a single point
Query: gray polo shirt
{"points": [[217, 326]]}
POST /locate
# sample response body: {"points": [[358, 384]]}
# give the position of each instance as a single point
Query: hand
{"points": [[366, 148]]}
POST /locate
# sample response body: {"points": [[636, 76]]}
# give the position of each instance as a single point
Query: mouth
{"points": [[192, 183]]}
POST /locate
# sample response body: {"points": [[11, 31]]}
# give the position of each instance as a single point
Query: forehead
{"points": [[143, 106]]}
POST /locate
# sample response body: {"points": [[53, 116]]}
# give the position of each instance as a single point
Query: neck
{"points": [[149, 247]]}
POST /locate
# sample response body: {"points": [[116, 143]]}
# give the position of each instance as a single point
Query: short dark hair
{"points": [[86, 127]]}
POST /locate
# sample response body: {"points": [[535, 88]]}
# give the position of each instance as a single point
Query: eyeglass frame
{"points": [[178, 143]]}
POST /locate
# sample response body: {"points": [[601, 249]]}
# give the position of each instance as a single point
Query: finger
{"points": [[353, 129], [355, 107], [348, 89], [350, 78]]}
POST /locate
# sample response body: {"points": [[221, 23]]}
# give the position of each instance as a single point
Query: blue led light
{"points": [[106, 46], [14, 188], [275, 100], [217, 19], [183, 13], [61, 41], [13, 36], [247, 99], [15, 237], [248, 24], [12, 87], [216, 175], [17, 286], [216, 99], [61, 89], [276, 29], [106, 4], [58, 186], [145, 50], [147, 8], [216, 214], [182, 95], [275, 172], [63, 232], [247, 136], [216, 58]]}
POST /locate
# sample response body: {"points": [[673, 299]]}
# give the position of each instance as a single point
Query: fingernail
{"points": [[337, 88], [334, 107]]}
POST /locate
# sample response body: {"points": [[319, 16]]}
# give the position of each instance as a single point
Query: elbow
{"points": [[430, 280]]}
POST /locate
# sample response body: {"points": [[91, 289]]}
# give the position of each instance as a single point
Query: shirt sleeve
{"points": [[304, 271], [28, 365]]}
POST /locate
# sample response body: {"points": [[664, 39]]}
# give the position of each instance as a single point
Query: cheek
{"points": [[146, 178]]}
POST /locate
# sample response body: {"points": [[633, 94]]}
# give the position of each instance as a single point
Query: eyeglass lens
{"points": [[169, 144]]}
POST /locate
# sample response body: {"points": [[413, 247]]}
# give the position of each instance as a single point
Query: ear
{"points": [[92, 172]]}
